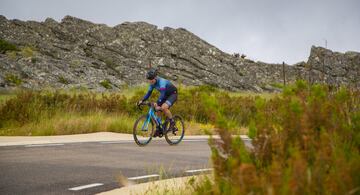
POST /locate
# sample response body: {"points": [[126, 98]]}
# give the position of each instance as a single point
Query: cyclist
{"points": [[167, 98]]}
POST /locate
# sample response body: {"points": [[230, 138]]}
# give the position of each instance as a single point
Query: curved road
{"points": [[93, 167]]}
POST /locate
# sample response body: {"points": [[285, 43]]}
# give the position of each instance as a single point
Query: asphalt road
{"points": [[54, 169], [68, 168]]}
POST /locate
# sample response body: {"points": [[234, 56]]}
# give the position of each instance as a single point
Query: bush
{"points": [[106, 84], [63, 80], [6, 46], [307, 141], [13, 79], [33, 60], [27, 52]]}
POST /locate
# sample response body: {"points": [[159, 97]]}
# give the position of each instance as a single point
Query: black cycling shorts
{"points": [[171, 99]]}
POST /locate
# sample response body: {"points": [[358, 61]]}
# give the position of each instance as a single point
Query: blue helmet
{"points": [[151, 74]]}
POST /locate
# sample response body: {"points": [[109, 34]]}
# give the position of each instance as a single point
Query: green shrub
{"points": [[12, 55], [106, 84], [13, 79], [6, 46], [63, 80], [307, 141], [27, 52], [277, 85], [33, 60]]}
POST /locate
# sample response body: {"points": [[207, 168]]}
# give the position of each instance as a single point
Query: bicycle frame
{"points": [[151, 115]]}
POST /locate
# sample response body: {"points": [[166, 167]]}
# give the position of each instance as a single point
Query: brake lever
{"points": [[139, 106]]}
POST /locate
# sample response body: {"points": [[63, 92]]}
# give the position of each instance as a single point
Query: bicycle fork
{"points": [[145, 126]]}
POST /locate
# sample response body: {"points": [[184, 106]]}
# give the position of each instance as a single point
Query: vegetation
{"points": [[27, 52], [106, 84], [11, 54], [43, 112], [33, 60], [13, 79], [6, 46], [63, 80], [306, 141]]}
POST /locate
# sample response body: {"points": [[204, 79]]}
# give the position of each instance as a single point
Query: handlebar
{"points": [[142, 104], [150, 104]]}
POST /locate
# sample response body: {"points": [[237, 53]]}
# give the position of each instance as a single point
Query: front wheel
{"points": [[143, 130], [175, 135]]}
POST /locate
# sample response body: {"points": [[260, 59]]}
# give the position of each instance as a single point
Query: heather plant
{"points": [[306, 141]]}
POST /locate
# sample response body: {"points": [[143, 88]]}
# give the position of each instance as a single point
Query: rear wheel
{"points": [[175, 135], [143, 130]]}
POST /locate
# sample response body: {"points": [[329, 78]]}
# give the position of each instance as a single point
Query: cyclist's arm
{"points": [[148, 94]]}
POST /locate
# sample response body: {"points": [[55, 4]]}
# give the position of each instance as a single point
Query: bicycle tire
{"points": [[179, 120], [135, 131]]}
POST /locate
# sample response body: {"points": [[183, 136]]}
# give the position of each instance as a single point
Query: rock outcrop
{"points": [[77, 53]]}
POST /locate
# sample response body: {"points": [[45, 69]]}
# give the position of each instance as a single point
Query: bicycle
{"points": [[143, 130]]}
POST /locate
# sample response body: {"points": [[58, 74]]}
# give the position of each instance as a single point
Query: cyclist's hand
{"points": [[157, 108], [139, 103]]}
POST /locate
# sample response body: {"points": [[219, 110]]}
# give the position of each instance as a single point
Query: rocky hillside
{"points": [[75, 53]]}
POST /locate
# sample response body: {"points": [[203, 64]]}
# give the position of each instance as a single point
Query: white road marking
{"points": [[143, 177], [41, 145], [194, 140], [245, 138], [85, 186], [117, 142], [198, 170]]}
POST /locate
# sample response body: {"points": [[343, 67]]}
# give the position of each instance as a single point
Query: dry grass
{"points": [[55, 112], [74, 123]]}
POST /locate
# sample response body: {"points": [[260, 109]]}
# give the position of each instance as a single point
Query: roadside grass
{"points": [[195, 128], [265, 95], [59, 112], [5, 97], [130, 92], [195, 184], [175, 186], [75, 123], [166, 183]]}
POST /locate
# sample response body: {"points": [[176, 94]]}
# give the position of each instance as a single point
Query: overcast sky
{"points": [[264, 30]]}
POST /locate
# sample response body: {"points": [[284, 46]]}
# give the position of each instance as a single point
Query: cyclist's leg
{"points": [[166, 108], [170, 100], [158, 113]]}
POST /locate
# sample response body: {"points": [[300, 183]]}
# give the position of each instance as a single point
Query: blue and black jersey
{"points": [[165, 87]]}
